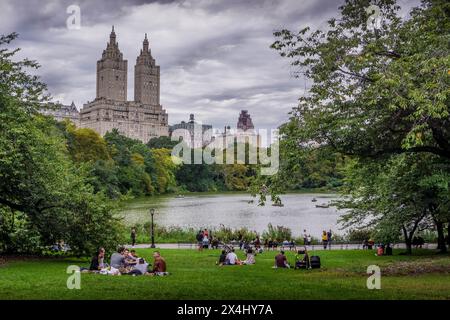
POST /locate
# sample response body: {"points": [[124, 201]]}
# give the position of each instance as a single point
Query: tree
{"points": [[405, 193], [379, 91], [162, 142], [44, 198]]}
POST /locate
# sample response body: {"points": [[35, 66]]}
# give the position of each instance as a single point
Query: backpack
{"points": [[315, 262]]}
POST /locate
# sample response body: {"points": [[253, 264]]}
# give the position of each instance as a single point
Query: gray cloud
{"points": [[214, 55]]}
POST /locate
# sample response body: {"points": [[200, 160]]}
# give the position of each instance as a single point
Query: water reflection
{"points": [[233, 210]]}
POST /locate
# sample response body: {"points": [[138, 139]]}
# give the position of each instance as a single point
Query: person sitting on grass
{"points": [[141, 267], [118, 258], [97, 262], [130, 260], [281, 261], [232, 258], [159, 265], [222, 258], [250, 259]]}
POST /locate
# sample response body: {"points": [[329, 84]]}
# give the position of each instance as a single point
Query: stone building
{"points": [[245, 121], [61, 112], [142, 119], [196, 135], [243, 133]]}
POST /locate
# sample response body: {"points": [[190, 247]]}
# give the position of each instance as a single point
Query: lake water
{"points": [[233, 210]]}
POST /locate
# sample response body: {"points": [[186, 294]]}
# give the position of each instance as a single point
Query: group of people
{"points": [[230, 258], [326, 239], [205, 240], [126, 262]]}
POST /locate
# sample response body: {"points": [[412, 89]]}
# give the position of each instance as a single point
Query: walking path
{"points": [[350, 246]]}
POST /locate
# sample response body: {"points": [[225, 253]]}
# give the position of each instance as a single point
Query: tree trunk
{"points": [[441, 238]]}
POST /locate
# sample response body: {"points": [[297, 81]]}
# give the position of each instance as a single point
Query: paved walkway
{"points": [[312, 247]]}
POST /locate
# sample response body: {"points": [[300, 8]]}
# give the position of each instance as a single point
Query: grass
{"points": [[194, 275]]}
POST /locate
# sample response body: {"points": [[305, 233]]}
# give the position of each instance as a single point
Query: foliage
{"points": [[379, 96], [44, 198]]}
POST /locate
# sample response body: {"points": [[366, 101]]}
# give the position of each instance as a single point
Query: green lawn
{"points": [[194, 275]]}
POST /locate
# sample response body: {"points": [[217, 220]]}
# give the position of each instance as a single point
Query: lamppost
{"points": [[152, 212]]}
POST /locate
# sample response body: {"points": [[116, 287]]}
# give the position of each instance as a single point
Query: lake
{"points": [[233, 210]]}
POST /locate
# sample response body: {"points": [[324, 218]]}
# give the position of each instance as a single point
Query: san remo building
{"points": [[142, 119]]}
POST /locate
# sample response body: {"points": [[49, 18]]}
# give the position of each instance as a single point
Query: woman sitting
{"points": [[97, 262], [250, 257]]}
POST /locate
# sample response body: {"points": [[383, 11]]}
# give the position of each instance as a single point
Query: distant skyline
{"points": [[215, 56]]}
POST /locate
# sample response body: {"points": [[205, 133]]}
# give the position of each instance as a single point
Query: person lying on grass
{"points": [[281, 261]]}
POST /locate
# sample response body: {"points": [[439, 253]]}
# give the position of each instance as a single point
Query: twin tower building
{"points": [[142, 119]]}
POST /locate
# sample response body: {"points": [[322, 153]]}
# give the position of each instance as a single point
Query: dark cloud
{"points": [[215, 55]]}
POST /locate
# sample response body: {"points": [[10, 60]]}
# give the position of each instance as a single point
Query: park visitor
{"points": [[250, 259], [281, 260], [118, 258], [324, 239], [329, 236], [159, 265], [199, 238], [309, 238], [380, 250], [388, 250], [257, 243], [205, 241], [133, 236], [222, 258], [141, 266], [365, 244], [232, 258], [97, 262], [305, 237]]}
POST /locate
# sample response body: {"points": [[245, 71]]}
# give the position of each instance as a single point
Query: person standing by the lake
{"points": [[133, 236], [324, 239], [305, 237], [329, 236], [199, 238]]}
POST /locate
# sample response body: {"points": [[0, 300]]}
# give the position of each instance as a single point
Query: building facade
{"points": [[196, 135], [142, 119]]}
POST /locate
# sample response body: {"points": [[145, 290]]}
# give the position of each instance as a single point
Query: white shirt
{"points": [[231, 257]]}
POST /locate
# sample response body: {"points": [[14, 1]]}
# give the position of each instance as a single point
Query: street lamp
{"points": [[152, 212]]}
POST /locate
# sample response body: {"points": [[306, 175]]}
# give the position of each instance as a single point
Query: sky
{"points": [[214, 55]]}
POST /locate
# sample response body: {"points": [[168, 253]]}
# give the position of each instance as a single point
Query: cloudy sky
{"points": [[214, 54]]}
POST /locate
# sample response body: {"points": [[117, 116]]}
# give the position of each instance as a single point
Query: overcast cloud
{"points": [[215, 55]]}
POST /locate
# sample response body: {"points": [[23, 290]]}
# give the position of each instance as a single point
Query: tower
{"points": [[146, 77], [112, 72], [245, 121]]}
